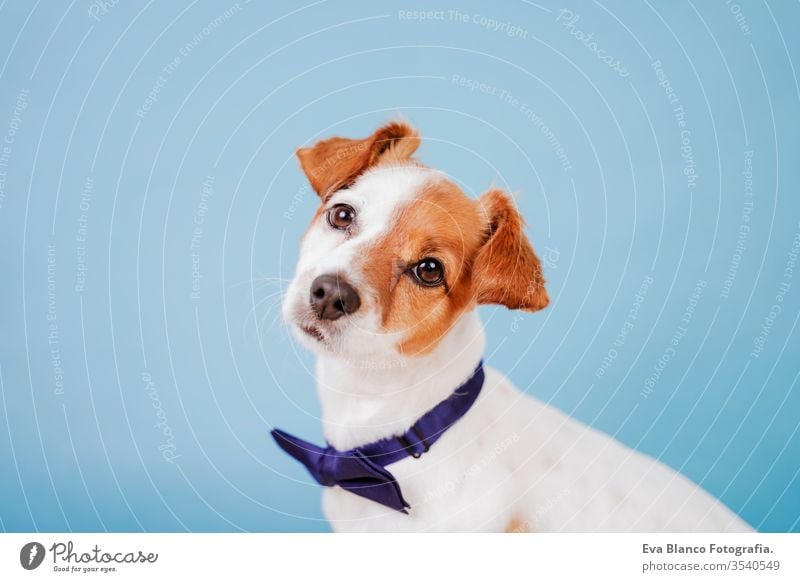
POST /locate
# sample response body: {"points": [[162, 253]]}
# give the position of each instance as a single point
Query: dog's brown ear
{"points": [[506, 271], [333, 163]]}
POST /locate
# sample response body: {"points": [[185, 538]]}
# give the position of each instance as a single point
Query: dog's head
{"points": [[396, 252]]}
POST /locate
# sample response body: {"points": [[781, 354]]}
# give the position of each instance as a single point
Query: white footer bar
{"points": [[388, 557]]}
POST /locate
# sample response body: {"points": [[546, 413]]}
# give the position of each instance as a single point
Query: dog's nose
{"points": [[333, 297]]}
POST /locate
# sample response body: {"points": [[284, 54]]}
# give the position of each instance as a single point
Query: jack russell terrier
{"points": [[421, 436]]}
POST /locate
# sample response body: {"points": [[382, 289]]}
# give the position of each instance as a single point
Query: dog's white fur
{"points": [[511, 463]]}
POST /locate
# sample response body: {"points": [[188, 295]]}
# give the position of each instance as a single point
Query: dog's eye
{"points": [[429, 272], [341, 216]]}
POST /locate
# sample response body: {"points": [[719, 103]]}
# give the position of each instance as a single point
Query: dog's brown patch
{"points": [[486, 255], [517, 525], [441, 222], [507, 271], [336, 162]]}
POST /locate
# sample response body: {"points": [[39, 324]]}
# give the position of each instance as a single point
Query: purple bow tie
{"points": [[362, 470]]}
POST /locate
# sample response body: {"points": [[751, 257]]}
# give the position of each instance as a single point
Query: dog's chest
{"points": [[464, 483]]}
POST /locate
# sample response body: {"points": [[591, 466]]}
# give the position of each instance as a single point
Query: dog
{"points": [[390, 273]]}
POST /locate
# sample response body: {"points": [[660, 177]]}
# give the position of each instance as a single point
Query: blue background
{"points": [[595, 161]]}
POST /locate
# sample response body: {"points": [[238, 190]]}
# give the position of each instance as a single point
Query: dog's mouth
{"points": [[313, 332]]}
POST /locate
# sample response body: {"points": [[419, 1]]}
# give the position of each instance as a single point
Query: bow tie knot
{"points": [[329, 466]]}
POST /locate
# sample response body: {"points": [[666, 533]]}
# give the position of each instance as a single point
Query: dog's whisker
{"points": [[261, 281], [262, 277], [253, 312], [275, 319], [272, 300], [261, 326]]}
